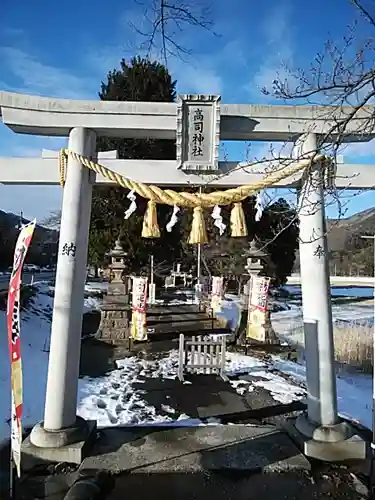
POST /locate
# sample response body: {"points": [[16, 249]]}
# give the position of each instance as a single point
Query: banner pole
{"points": [[11, 474]]}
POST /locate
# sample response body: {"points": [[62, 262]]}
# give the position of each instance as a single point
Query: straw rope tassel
{"points": [[238, 221], [198, 233], [150, 227]]}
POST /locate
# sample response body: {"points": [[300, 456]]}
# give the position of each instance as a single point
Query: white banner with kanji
{"points": [[14, 339], [138, 330], [258, 298], [217, 293]]}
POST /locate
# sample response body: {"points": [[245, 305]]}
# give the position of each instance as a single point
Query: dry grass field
{"points": [[353, 343]]}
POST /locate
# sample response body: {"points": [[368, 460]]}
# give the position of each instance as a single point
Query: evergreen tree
{"points": [[277, 233], [139, 80]]}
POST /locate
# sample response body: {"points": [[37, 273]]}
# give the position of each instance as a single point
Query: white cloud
{"points": [[11, 32], [278, 48], [207, 73], [104, 59], [43, 79], [196, 77], [200, 72]]}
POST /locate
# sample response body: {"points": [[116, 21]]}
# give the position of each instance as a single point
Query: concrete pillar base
{"points": [[327, 434], [333, 443], [42, 438], [65, 445]]}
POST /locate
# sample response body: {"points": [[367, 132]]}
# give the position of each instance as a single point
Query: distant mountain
{"points": [[43, 249], [349, 253], [340, 231]]}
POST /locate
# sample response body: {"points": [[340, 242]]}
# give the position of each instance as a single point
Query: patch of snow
{"points": [[96, 286], [289, 324], [174, 302], [354, 392], [35, 333], [91, 304], [238, 364], [231, 311], [35, 341], [280, 389], [113, 399]]}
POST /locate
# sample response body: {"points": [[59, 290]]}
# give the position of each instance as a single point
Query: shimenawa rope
{"points": [[198, 201]]}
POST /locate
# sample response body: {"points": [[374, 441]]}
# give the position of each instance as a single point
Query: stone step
{"points": [[173, 309], [208, 449], [178, 318], [160, 334], [184, 326]]}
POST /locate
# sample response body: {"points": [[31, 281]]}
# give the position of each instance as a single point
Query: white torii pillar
{"points": [[61, 425], [328, 437]]}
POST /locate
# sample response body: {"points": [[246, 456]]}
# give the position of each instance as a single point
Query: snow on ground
{"points": [[354, 392], [91, 304], [281, 390], [35, 337], [288, 323], [231, 311], [112, 399], [96, 286], [35, 331]]}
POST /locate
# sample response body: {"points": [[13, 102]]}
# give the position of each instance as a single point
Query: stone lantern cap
{"points": [[255, 258], [117, 251], [117, 255], [255, 252]]}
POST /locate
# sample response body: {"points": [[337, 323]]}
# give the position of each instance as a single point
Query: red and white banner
{"points": [[138, 330], [217, 293], [14, 341], [258, 298]]}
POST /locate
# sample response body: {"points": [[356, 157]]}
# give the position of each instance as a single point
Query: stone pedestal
{"points": [[115, 311], [271, 337], [255, 259], [114, 324]]}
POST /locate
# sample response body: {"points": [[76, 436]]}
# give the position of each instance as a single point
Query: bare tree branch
{"points": [[368, 16], [166, 21], [343, 74]]}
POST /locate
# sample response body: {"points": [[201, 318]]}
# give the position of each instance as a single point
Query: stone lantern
{"points": [[117, 287], [115, 311], [254, 265], [255, 258]]}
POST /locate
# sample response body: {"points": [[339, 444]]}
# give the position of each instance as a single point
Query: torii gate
{"points": [[83, 122]]}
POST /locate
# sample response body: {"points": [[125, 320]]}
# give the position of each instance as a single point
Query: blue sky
{"points": [[66, 49]]}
